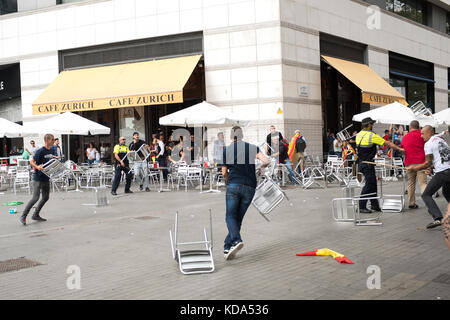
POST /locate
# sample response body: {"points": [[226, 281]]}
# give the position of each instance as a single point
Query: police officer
{"points": [[120, 151], [366, 144]]}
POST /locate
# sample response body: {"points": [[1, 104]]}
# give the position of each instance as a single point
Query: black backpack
{"points": [[300, 144]]}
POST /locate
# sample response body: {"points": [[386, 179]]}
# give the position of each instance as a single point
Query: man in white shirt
{"points": [[437, 154], [33, 148], [337, 146]]}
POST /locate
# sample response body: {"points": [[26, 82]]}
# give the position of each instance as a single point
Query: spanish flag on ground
{"points": [[327, 252]]}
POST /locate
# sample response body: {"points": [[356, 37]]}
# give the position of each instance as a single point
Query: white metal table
{"points": [[210, 169]]}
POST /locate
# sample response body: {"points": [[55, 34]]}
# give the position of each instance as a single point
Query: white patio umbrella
{"points": [[443, 117], [66, 123], [10, 129], [202, 114], [394, 113]]}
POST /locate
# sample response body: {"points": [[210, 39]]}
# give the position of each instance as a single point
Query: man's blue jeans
{"points": [[288, 164], [238, 199]]}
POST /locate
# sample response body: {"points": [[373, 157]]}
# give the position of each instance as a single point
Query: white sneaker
{"points": [[233, 250]]}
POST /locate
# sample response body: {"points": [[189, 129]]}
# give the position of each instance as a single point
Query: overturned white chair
{"points": [[192, 261], [347, 209], [392, 203]]}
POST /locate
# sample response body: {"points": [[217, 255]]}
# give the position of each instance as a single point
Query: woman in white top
{"points": [[337, 145], [91, 153]]}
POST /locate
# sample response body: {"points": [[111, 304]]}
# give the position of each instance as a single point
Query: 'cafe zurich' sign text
{"points": [[109, 103]]}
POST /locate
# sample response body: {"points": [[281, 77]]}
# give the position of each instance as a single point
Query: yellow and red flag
{"points": [[327, 252], [389, 154], [292, 145]]}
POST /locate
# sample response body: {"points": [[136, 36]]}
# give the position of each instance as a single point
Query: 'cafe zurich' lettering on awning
{"points": [[109, 103], [381, 99]]}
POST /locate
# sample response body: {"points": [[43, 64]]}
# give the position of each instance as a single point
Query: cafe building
{"points": [[307, 65]]}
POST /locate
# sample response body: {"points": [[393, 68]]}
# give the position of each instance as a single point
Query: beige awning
{"points": [[117, 86], [374, 88]]}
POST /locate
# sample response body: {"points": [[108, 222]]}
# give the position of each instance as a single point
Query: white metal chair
{"points": [[22, 180], [190, 175], [347, 209], [267, 196], [192, 261]]}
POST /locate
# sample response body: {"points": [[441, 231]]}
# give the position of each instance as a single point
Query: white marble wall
{"points": [[441, 88], [257, 52]]}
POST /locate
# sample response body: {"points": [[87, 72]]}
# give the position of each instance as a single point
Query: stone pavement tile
{"points": [[123, 257]]}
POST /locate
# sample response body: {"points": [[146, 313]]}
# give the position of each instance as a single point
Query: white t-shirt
{"points": [[336, 145], [440, 151], [91, 154]]}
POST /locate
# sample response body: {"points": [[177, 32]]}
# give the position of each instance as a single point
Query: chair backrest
{"points": [[144, 152], [193, 171], [345, 134], [419, 108], [397, 162], [133, 156], [22, 174], [22, 163]]}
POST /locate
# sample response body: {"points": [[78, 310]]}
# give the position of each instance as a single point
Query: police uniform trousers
{"points": [[118, 176], [370, 187]]}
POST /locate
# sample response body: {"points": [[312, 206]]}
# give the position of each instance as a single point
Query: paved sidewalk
{"points": [[123, 250]]}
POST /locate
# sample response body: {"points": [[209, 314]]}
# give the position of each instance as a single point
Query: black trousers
{"points": [[440, 179], [39, 186], [368, 170], [118, 175], [162, 163]]}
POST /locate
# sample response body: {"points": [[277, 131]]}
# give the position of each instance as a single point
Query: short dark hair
{"points": [[414, 124], [56, 139], [48, 136], [386, 131], [236, 133], [135, 133]]}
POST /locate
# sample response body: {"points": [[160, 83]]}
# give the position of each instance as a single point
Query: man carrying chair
{"points": [[366, 144]]}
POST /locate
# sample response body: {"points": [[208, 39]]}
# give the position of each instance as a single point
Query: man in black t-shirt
{"points": [[140, 168], [240, 173], [272, 133], [41, 181]]}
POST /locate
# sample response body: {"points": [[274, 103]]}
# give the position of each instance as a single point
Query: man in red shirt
{"points": [[413, 144]]}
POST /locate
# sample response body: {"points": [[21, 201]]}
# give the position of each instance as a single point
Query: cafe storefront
{"points": [[127, 97], [10, 109], [349, 86]]}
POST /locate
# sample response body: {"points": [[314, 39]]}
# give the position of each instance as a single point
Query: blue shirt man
{"points": [[41, 181], [239, 171]]}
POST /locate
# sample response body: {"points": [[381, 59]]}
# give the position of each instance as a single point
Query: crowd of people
{"points": [[424, 153]]}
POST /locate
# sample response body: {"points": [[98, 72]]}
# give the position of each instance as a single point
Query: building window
{"points": [[412, 9], [448, 22], [8, 6], [66, 1]]}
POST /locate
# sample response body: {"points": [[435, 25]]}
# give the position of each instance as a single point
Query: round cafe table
{"points": [[210, 169]]}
